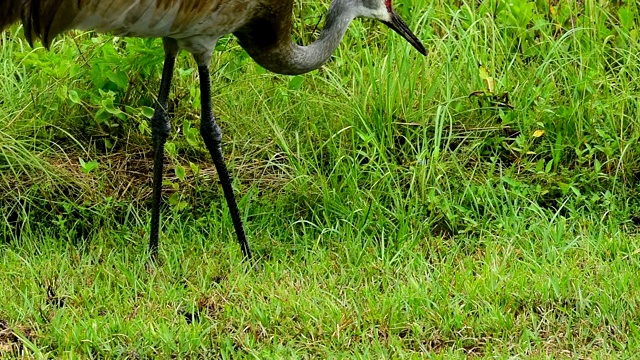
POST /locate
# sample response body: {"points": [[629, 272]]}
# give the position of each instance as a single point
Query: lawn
{"points": [[481, 201]]}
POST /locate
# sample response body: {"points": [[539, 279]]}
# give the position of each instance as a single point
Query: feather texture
{"points": [[262, 26], [45, 19], [9, 12]]}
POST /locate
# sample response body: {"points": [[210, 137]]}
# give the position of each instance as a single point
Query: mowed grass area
{"points": [[480, 201]]}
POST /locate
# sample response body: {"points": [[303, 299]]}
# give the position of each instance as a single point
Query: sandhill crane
{"points": [[263, 28]]}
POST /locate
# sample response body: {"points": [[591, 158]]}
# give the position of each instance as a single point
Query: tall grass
{"points": [[479, 201]]}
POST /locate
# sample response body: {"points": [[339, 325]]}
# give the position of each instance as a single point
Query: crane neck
{"points": [[270, 43]]}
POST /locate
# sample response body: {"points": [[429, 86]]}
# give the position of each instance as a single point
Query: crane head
{"points": [[382, 10]]}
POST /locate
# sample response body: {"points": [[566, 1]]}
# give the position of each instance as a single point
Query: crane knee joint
{"points": [[211, 132], [160, 125]]}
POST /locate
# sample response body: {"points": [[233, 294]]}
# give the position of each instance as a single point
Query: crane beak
{"points": [[398, 25]]}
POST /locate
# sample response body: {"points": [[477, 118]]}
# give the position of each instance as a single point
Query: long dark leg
{"points": [[160, 128], [212, 136]]}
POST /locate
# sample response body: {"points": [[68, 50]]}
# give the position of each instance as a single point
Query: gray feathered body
{"points": [[262, 26], [44, 19]]}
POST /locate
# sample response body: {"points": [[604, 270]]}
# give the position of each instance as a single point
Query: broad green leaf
{"points": [[73, 96], [195, 168], [296, 82], [180, 172], [119, 78], [102, 115], [147, 111]]}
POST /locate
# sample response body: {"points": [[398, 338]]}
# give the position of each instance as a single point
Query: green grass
{"points": [[481, 201]]}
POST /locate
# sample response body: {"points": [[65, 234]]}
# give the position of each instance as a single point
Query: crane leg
{"points": [[160, 129], [212, 136]]}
